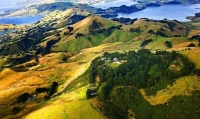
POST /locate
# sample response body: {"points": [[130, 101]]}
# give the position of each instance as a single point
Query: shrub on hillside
{"points": [[191, 45], [198, 72], [168, 44], [146, 42]]}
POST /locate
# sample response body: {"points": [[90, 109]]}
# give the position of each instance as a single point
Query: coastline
{"points": [[4, 27], [110, 12]]}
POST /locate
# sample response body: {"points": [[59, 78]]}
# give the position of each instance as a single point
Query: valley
{"points": [[74, 63]]}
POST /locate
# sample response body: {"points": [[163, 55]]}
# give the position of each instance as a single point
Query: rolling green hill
{"points": [[144, 69], [89, 32], [76, 29], [94, 30]]}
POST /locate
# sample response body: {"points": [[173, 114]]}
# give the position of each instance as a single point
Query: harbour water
{"points": [[171, 12], [20, 20]]}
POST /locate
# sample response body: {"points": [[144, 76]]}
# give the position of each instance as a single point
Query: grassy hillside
{"points": [[183, 86], [71, 31], [66, 17], [93, 23], [193, 56], [73, 105], [64, 45], [161, 28], [95, 30], [89, 32]]}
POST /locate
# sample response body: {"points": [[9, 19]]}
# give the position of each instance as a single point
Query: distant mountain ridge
{"points": [[37, 7], [52, 1], [90, 2]]}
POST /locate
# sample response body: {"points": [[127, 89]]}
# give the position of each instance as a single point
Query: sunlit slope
{"points": [[94, 30], [93, 23], [73, 105], [85, 34], [193, 55], [183, 86], [164, 28], [52, 68], [70, 16]]}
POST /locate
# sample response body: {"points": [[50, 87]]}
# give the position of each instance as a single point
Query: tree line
{"points": [[150, 71], [142, 69]]}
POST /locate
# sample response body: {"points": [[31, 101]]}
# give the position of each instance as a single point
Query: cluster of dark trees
{"points": [[126, 9], [129, 98], [23, 98], [20, 60], [51, 91], [142, 70], [95, 25], [159, 32], [124, 20], [26, 96], [197, 37], [151, 72], [104, 31], [79, 35]]}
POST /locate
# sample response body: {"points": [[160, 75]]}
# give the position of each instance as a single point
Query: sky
{"points": [[7, 1]]}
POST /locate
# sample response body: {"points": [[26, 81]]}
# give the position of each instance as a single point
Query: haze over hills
{"points": [[92, 2], [43, 7], [103, 1], [52, 1], [73, 63]]}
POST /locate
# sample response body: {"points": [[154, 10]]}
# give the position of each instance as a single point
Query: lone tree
{"points": [[23, 98], [168, 44], [198, 72], [53, 88]]}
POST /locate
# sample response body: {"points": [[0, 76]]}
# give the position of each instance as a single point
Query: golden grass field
{"points": [[193, 56], [73, 105], [193, 33], [50, 69], [6, 26], [182, 86]]}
